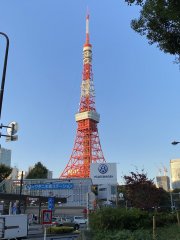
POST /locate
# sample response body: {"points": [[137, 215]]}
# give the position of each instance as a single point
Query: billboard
{"points": [[103, 173]]}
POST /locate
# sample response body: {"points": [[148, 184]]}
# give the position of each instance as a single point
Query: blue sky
{"points": [[137, 86]]}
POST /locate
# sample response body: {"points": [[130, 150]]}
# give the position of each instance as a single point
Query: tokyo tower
{"points": [[87, 147]]}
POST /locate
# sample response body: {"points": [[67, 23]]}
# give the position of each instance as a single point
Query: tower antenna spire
{"points": [[87, 27]]}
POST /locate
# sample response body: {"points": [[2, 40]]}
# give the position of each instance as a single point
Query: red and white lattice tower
{"points": [[87, 147]]}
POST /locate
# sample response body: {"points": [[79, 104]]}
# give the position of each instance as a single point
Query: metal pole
{"points": [[4, 71], [154, 228], [87, 211], [116, 195], [20, 191], [39, 211], [172, 205]]}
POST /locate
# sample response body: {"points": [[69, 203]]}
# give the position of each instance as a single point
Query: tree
{"points": [[159, 21], [142, 193], [5, 171], [39, 171]]}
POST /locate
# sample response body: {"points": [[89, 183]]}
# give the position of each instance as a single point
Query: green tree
{"points": [[159, 21], [141, 192], [5, 171], [39, 171]]}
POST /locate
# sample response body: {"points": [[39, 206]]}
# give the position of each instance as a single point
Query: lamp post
{"points": [[175, 143], [12, 127], [4, 71]]}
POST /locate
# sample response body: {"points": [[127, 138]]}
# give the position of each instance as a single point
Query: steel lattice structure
{"points": [[87, 147]]}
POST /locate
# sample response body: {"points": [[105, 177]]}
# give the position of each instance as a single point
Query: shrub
{"points": [[165, 219], [166, 233], [123, 235], [57, 230], [118, 218]]}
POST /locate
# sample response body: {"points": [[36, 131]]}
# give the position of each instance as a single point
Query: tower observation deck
{"points": [[87, 147]]}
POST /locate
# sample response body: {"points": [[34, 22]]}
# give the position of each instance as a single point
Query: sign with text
{"points": [[103, 173], [48, 186], [51, 203]]}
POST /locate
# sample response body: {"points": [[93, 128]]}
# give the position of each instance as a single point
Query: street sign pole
{"points": [[44, 232], [87, 211]]}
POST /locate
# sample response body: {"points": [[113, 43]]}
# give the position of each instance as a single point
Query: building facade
{"points": [[5, 156], [74, 190], [175, 173], [163, 182]]}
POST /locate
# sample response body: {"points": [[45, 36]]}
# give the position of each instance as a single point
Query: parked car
{"points": [[60, 221], [79, 219]]}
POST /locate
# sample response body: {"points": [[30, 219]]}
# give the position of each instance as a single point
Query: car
{"points": [[79, 219], [60, 221]]}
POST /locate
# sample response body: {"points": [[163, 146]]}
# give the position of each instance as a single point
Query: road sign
{"points": [[46, 216], [51, 203]]}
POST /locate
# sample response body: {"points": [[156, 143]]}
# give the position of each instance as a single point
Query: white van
{"points": [[79, 220], [13, 226]]}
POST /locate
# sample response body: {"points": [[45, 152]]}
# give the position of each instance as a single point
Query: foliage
{"points": [[176, 190], [142, 193], [166, 233], [39, 171], [5, 171], [62, 229], [112, 219], [159, 21]]}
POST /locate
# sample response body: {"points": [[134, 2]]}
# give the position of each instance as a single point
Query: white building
{"points": [[5, 156], [16, 174], [107, 192], [74, 190], [175, 173], [163, 182], [104, 175], [50, 174]]}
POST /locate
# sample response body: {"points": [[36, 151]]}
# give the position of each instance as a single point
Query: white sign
{"points": [[103, 173]]}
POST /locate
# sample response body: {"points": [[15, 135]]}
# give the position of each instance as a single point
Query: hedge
{"points": [[118, 218], [57, 230]]}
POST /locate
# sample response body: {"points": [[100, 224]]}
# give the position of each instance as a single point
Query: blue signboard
{"points": [[49, 186], [50, 203]]}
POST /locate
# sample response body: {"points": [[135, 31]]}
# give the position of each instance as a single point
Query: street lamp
{"points": [[4, 71], [175, 143], [13, 126]]}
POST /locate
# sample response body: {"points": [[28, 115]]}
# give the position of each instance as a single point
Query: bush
{"points": [[123, 235], [165, 219], [118, 218], [166, 233], [57, 230]]}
